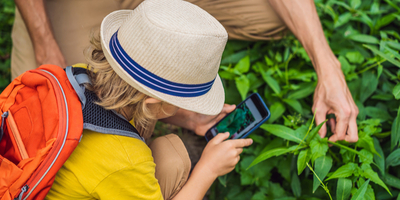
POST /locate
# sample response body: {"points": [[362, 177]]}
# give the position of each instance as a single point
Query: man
{"points": [[56, 32]]}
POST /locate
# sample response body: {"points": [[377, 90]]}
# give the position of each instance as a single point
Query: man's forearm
{"points": [[302, 19], [38, 24]]}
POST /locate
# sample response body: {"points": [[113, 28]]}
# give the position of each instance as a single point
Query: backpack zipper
{"points": [[17, 137], [3, 118], [63, 141]]}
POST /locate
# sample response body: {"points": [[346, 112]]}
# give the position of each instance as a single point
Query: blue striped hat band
{"points": [[151, 80]]}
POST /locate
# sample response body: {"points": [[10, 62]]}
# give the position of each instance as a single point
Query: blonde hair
{"points": [[114, 93]]}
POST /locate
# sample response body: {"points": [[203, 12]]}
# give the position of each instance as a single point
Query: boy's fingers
{"points": [[220, 137], [239, 150], [228, 108], [240, 143]]}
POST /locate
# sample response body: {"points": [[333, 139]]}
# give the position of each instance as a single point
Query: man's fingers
{"points": [[352, 131], [240, 143], [342, 123], [320, 116], [332, 124], [220, 137]]}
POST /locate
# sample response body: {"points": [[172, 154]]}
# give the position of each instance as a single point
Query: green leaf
{"points": [[391, 180], [276, 109], [234, 58], [396, 91], [302, 159], [364, 38], [366, 156], [342, 19], [385, 20], [380, 70], [272, 83], [393, 159], [282, 132], [294, 104], [395, 136], [278, 57], [227, 75], [355, 57], [393, 52], [272, 153], [383, 55], [346, 67], [295, 184], [322, 166], [373, 176], [377, 113], [355, 3], [366, 142], [243, 65], [268, 61], [222, 180], [243, 85], [379, 160], [359, 195], [319, 147], [259, 196], [343, 190], [305, 90], [314, 131], [394, 45], [369, 83], [344, 171]]}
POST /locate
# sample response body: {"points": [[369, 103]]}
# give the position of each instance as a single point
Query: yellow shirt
{"points": [[105, 166]]}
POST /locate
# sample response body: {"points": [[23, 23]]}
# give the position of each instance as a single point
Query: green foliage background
{"points": [[7, 9], [364, 36], [287, 151]]}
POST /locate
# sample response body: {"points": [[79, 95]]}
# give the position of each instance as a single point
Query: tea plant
{"points": [[288, 159]]}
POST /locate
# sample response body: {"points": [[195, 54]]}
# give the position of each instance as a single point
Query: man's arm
{"points": [[45, 46], [332, 95]]}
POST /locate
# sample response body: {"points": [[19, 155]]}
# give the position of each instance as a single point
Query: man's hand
{"points": [[196, 122], [51, 54], [37, 22], [332, 96]]}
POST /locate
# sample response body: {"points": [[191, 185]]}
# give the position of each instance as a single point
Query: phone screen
{"points": [[249, 114]]}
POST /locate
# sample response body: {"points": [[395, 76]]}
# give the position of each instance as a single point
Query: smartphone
{"points": [[247, 117]]}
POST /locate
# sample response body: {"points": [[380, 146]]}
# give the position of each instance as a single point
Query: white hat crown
{"points": [[183, 47], [168, 49]]}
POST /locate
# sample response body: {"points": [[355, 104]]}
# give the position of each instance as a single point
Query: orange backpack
{"points": [[41, 124]]}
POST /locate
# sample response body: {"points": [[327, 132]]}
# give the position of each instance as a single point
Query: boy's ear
{"points": [[151, 100]]}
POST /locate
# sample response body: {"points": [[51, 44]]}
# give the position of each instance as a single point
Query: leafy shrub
{"points": [[7, 9], [288, 159]]}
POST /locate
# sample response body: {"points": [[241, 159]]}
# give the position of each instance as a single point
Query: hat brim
{"points": [[210, 103]]}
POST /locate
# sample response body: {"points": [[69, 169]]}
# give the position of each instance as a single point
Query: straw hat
{"points": [[170, 50]]}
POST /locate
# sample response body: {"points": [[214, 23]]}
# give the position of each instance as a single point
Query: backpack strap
{"points": [[98, 119], [95, 117], [77, 81]]}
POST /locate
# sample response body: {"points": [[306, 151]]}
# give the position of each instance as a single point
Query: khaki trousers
{"points": [[172, 164], [73, 21]]}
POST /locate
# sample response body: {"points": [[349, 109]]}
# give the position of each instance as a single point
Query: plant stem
{"points": [[323, 185], [372, 66], [354, 157], [309, 129]]}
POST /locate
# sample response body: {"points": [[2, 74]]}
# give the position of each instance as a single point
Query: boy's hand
{"points": [[204, 122], [220, 156]]}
